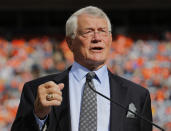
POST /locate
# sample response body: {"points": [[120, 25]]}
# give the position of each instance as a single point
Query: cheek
{"points": [[84, 47], [80, 50]]}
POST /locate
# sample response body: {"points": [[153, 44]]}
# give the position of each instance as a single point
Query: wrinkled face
{"points": [[92, 43]]}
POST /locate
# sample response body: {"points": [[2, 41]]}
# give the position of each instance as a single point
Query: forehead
{"points": [[89, 21]]}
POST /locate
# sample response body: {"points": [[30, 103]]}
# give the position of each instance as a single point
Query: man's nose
{"points": [[96, 37]]}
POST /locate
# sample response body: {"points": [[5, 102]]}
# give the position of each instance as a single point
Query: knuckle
{"points": [[40, 86], [59, 102], [60, 93], [56, 89], [51, 82], [60, 98], [48, 84], [61, 85]]}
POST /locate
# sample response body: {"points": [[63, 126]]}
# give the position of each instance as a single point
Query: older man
{"points": [[66, 102]]}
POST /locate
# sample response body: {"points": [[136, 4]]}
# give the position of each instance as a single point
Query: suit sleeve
{"points": [[25, 120], [146, 112]]}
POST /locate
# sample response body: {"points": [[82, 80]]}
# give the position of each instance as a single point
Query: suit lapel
{"points": [[62, 112], [118, 94]]}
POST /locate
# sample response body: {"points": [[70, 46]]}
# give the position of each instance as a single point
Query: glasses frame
{"points": [[91, 33]]}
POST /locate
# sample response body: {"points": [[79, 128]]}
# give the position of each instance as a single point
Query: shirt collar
{"points": [[102, 73], [80, 72]]}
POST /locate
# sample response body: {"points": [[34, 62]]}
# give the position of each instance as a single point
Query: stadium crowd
{"points": [[146, 62]]}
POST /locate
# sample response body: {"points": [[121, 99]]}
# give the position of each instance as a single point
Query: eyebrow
{"points": [[93, 28]]}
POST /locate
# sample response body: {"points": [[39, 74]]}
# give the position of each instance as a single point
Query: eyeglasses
{"points": [[91, 33]]}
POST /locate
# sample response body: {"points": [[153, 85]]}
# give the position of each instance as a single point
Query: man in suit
{"points": [[54, 102]]}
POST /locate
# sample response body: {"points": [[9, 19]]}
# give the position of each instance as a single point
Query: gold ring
{"points": [[49, 97]]}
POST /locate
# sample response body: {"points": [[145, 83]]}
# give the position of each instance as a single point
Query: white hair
{"points": [[71, 24]]}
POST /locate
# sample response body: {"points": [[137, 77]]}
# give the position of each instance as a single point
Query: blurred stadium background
{"points": [[32, 44]]}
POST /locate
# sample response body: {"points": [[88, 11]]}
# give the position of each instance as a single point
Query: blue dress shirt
{"points": [[77, 78]]}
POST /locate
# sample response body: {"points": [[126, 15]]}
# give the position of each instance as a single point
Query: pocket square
{"points": [[133, 109]]}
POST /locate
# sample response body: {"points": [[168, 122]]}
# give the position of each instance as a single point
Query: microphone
{"points": [[128, 110]]}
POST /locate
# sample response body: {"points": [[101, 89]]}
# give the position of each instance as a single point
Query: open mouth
{"points": [[97, 48]]}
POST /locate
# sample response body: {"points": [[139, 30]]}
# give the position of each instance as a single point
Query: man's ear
{"points": [[111, 38], [69, 42]]}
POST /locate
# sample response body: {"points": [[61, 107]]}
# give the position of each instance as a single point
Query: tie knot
{"points": [[90, 76]]}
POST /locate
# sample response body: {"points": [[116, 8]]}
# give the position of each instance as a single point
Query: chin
{"points": [[96, 62]]}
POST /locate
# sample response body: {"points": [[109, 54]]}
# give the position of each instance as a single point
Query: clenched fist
{"points": [[48, 94]]}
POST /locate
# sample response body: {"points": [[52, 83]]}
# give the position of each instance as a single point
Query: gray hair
{"points": [[71, 24]]}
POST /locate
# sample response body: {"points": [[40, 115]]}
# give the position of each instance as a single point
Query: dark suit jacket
{"points": [[122, 91]]}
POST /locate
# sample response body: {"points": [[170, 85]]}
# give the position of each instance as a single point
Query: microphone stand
{"points": [[114, 102]]}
